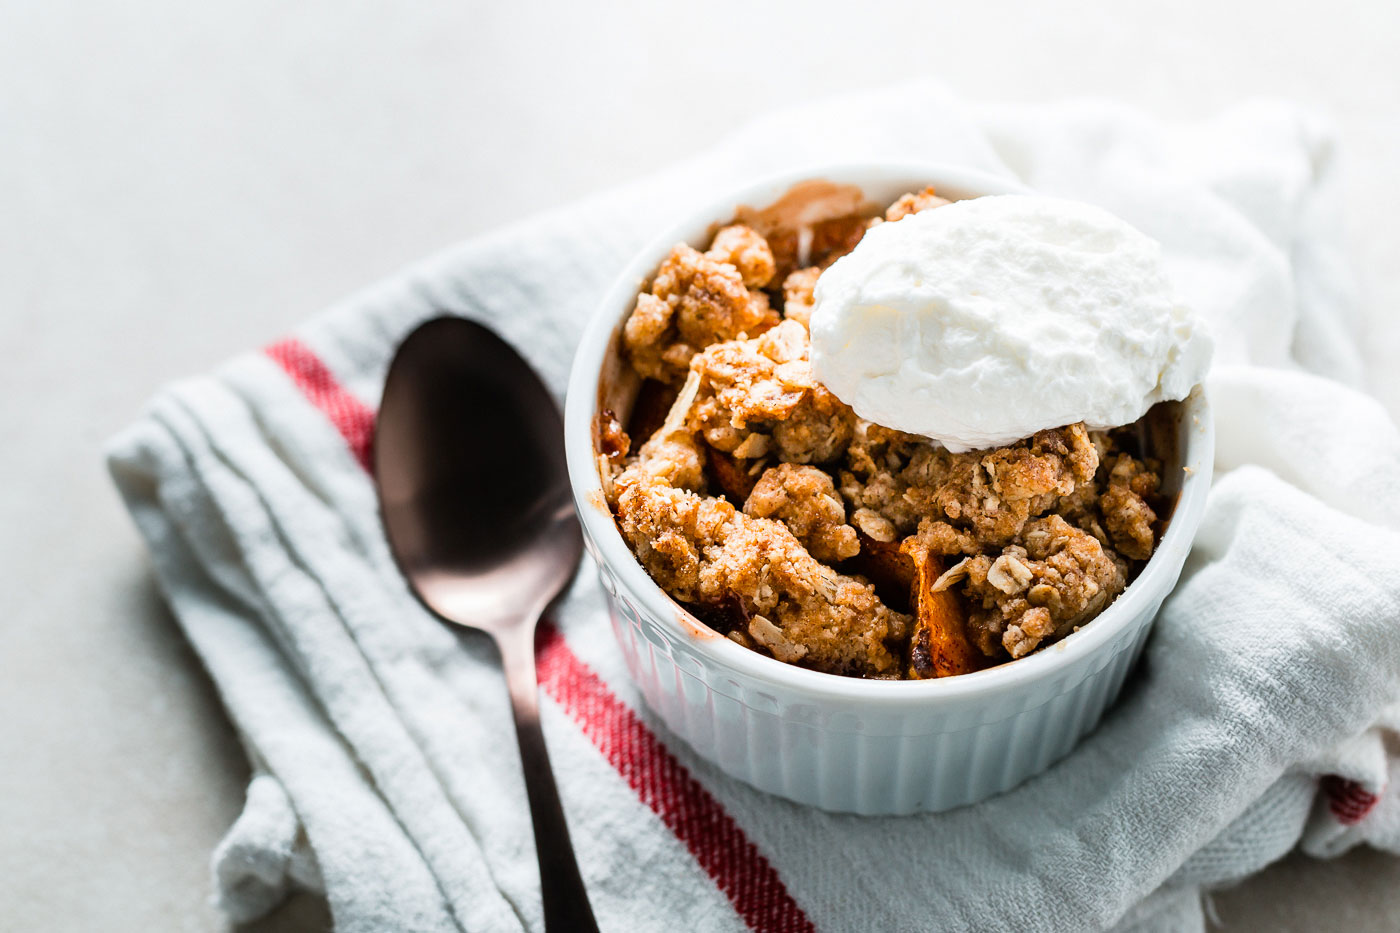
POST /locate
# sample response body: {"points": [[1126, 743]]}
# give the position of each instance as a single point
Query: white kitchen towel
{"points": [[386, 774]]}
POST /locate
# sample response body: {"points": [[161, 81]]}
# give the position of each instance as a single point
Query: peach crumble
{"points": [[761, 502]]}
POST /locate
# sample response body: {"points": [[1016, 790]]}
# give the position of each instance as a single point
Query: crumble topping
{"points": [[706, 553], [913, 202], [759, 395], [804, 498], [797, 294], [742, 248], [766, 506], [695, 300], [1129, 518], [1056, 577]]}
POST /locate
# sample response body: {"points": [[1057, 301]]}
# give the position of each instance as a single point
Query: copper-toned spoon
{"points": [[469, 465]]}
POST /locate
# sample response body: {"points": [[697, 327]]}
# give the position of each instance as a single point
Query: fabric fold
{"points": [[1264, 713]]}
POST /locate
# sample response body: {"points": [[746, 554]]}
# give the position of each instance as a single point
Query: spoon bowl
{"points": [[474, 493], [473, 487]]}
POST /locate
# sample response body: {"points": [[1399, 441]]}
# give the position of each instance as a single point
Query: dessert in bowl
{"points": [[825, 576]]}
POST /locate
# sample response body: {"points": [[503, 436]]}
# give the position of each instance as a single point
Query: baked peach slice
{"points": [[939, 646]]}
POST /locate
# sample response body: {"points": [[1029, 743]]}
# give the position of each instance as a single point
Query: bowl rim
{"points": [[1196, 435]]}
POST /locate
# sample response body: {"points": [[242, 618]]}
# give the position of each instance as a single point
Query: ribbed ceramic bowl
{"points": [[840, 743]]}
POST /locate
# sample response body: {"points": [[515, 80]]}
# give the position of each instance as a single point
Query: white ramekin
{"points": [[840, 743]]}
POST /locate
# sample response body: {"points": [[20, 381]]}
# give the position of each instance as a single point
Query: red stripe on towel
{"points": [[699, 821], [1348, 800], [351, 417], [693, 814]]}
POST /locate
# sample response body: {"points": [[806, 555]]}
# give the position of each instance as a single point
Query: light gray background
{"points": [[182, 181]]}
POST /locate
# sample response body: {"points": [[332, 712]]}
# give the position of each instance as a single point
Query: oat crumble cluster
{"points": [[767, 507]]}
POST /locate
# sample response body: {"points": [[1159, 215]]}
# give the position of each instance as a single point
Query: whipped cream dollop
{"points": [[983, 321]]}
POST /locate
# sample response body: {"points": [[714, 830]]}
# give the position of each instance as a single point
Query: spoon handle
{"points": [[566, 906]]}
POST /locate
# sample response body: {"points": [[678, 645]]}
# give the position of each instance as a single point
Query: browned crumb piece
{"points": [[797, 295], [996, 493], [745, 383], [694, 301], [1056, 576], [817, 431], [759, 396], [1081, 508], [943, 538], [873, 525], [1129, 518], [804, 499], [669, 529], [745, 250], [991, 494], [913, 202], [671, 456], [877, 476], [704, 551], [650, 338], [710, 299]]}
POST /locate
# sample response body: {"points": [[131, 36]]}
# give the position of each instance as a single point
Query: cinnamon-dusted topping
{"points": [[671, 456], [943, 538], [880, 466], [758, 482], [745, 250], [804, 499], [646, 336], [765, 386], [694, 301], [797, 295], [1055, 577], [817, 431], [1127, 515], [1081, 507], [702, 550], [873, 525], [914, 202], [990, 494], [995, 494]]}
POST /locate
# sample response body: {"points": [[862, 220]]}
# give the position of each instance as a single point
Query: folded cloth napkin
{"points": [[385, 771]]}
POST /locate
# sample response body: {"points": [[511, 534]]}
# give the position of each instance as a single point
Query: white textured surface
{"points": [[181, 181], [989, 319]]}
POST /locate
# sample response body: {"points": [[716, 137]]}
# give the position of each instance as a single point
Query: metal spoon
{"points": [[469, 466]]}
